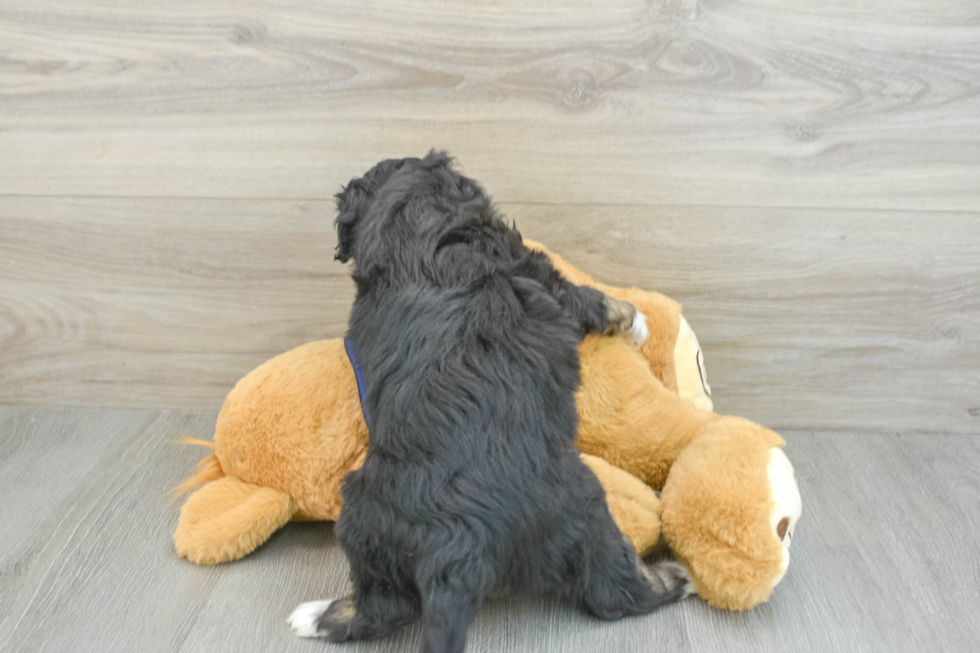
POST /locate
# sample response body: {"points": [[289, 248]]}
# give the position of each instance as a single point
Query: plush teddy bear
{"points": [[291, 430]]}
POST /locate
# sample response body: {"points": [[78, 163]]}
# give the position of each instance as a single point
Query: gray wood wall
{"points": [[805, 180]]}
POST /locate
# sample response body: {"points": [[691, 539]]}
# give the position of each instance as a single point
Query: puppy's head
{"points": [[398, 178]]}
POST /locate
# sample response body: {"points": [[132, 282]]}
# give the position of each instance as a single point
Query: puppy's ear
{"points": [[437, 159], [351, 202]]}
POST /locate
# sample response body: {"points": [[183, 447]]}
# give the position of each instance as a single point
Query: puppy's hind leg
{"points": [[369, 613], [448, 610], [612, 581], [452, 586], [383, 600]]}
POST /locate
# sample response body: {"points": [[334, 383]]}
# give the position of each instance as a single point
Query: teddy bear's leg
{"points": [[634, 505], [227, 519], [626, 414]]}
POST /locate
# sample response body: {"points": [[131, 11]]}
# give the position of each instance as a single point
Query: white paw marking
{"points": [[304, 617], [689, 588], [639, 331]]}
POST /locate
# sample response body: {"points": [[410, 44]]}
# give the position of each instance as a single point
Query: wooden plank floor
{"points": [[804, 177], [884, 559]]}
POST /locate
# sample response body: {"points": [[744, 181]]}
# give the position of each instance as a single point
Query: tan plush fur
{"points": [[292, 429], [295, 424], [635, 508], [626, 415], [228, 518], [716, 513]]}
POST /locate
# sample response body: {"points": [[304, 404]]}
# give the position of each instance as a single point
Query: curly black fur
{"points": [[467, 341]]}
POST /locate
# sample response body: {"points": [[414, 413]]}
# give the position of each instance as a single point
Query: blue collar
{"points": [[352, 356]]}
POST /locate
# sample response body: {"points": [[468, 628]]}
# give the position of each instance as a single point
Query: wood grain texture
{"points": [[98, 549], [159, 303], [870, 104], [802, 176], [883, 558], [809, 319]]}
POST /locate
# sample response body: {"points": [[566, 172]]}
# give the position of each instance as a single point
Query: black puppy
{"points": [[467, 343]]}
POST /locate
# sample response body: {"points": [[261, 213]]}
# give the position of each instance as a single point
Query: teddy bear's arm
{"points": [[634, 505]]}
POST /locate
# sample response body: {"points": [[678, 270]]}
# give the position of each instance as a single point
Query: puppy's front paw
{"points": [[625, 319], [639, 331]]}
